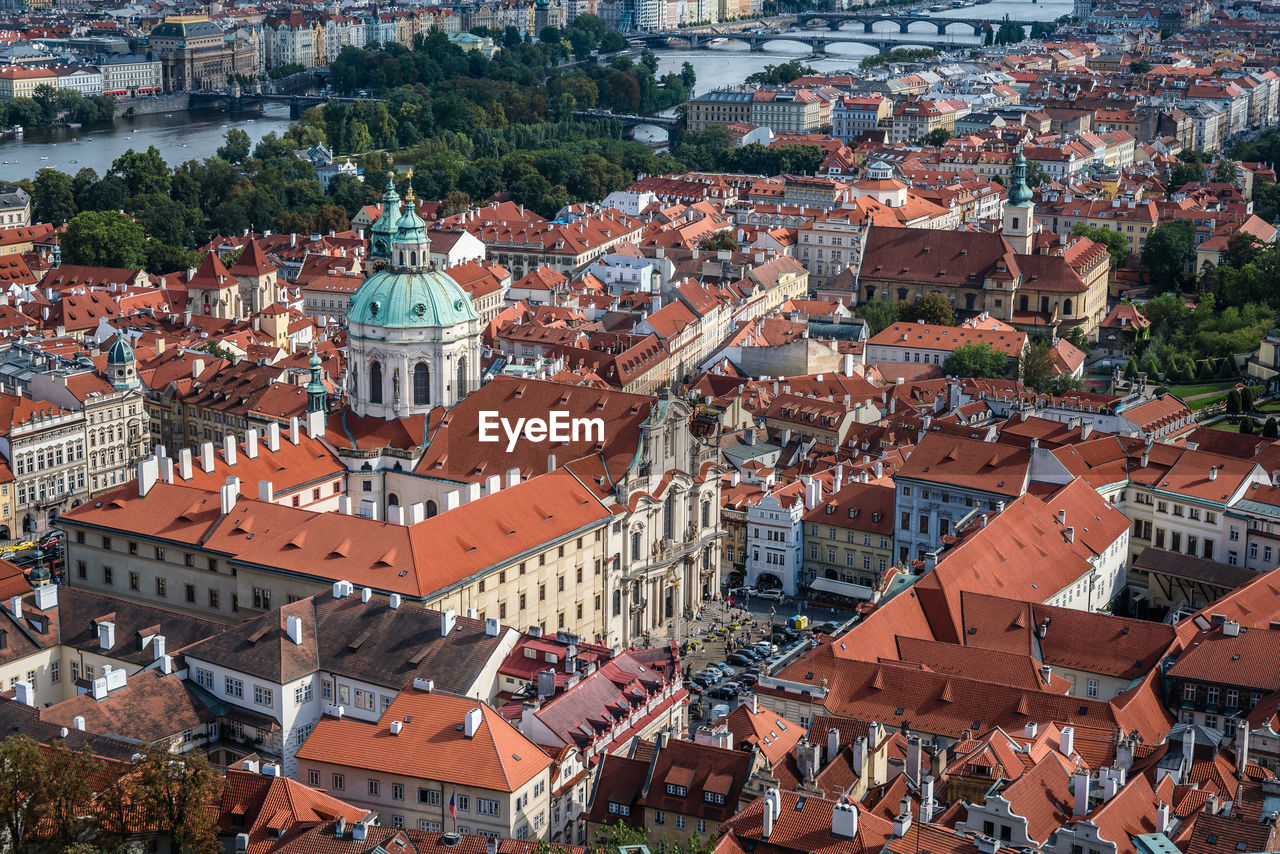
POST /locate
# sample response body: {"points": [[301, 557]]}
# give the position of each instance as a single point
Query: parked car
{"points": [[702, 680], [712, 674], [692, 686], [748, 679], [827, 628], [766, 648], [726, 669], [723, 692], [735, 592], [740, 660], [772, 595]]}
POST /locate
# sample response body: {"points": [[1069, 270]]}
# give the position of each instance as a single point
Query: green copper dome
{"points": [[384, 229], [410, 298], [120, 352]]}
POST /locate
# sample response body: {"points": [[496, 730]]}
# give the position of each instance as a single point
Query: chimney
{"points": [[100, 688], [148, 475], [184, 464], [1162, 818], [344, 505], [273, 437], [78, 722], [1046, 673], [229, 449], [23, 693], [46, 597], [294, 436], [448, 619], [157, 647], [844, 821], [315, 425], [266, 492], [491, 627], [395, 514], [861, 767], [1108, 785], [1230, 629], [340, 827], [359, 831], [230, 494], [166, 468], [472, 722], [902, 823], [926, 801], [293, 625], [546, 683], [1213, 472], [491, 846], [1067, 741], [913, 759], [206, 457], [513, 477], [1082, 794], [396, 726], [366, 593], [106, 635], [251, 443], [1242, 746], [197, 368], [394, 601], [1188, 745], [771, 797], [1062, 517], [341, 589]]}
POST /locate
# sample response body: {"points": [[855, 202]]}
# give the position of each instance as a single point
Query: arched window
{"points": [[1066, 307], [413, 258], [375, 382], [393, 500], [431, 509], [421, 384], [461, 389]]}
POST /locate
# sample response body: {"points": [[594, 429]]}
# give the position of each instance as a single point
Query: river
{"points": [[180, 137], [193, 136]]}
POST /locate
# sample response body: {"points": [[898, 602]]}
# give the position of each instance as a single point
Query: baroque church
{"points": [[408, 436]]}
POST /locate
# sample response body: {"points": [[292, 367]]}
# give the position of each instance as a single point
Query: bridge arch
{"points": [[959, 28], [920, 25], [775, 41], [883, 25]]}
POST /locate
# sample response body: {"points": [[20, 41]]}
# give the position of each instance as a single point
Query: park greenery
{"points": [[779, 75], [49, 106], [898, 56]]}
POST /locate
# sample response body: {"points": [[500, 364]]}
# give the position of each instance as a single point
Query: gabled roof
{"points": [[431, 745]]}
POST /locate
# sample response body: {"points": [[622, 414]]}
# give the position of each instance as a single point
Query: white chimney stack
{"points": [[206, 457], [472, 722], [184, 464], [293, 625], [273, 437], [448, 619], [844, 821], [1067, 741], [1082, 794], [266, 491], [148, 474]]}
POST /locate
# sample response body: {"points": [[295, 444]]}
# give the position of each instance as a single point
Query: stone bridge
{"points": [[816, 41]]}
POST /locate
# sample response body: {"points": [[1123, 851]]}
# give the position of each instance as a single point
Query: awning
{"points": [[840, 588]]}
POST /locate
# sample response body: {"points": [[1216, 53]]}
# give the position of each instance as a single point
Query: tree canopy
{"points": [[976, 360]]}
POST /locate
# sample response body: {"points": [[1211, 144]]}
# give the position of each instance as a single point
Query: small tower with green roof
{"points": [[383, 231], [1019, 211]]}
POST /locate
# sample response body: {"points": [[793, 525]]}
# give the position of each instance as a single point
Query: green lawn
{"points": [[1225, 426], [1185, 391], [1269, 406], [1204, 402]]}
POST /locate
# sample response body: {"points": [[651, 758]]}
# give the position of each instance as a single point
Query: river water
{"points": [[180, 137], [187, 136]]}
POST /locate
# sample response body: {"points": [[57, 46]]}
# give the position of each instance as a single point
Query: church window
{"points": [[375, 382], [421, 385]]}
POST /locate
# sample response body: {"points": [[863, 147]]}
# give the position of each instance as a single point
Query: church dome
{"points": [[120, 353], [410, 298]]}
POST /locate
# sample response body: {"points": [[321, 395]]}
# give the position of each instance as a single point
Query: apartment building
{"points": [[430, 756], [848, 542]]}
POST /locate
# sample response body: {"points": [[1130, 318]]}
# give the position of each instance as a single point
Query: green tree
{"points": [[174, 794], [937, 137], [1233, 402], [236, 148], [1186, 173], [976, 360], [1169, 248], [1115, 241], [879, 314], [24, 786], [1036, 365], [1076, 338], [719, 240], [612, 42], [932, 308], [1131, 369], [71, 775], [1270, 429], [53, 199], [143, 172], [104, 239], [1246, 398], [1140, 66]]}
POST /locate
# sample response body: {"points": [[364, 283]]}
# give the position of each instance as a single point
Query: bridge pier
{"points": [[757, 46]]}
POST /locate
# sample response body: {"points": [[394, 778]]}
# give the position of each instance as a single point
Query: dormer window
{"points": [[678, 791], [713, 797]]}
